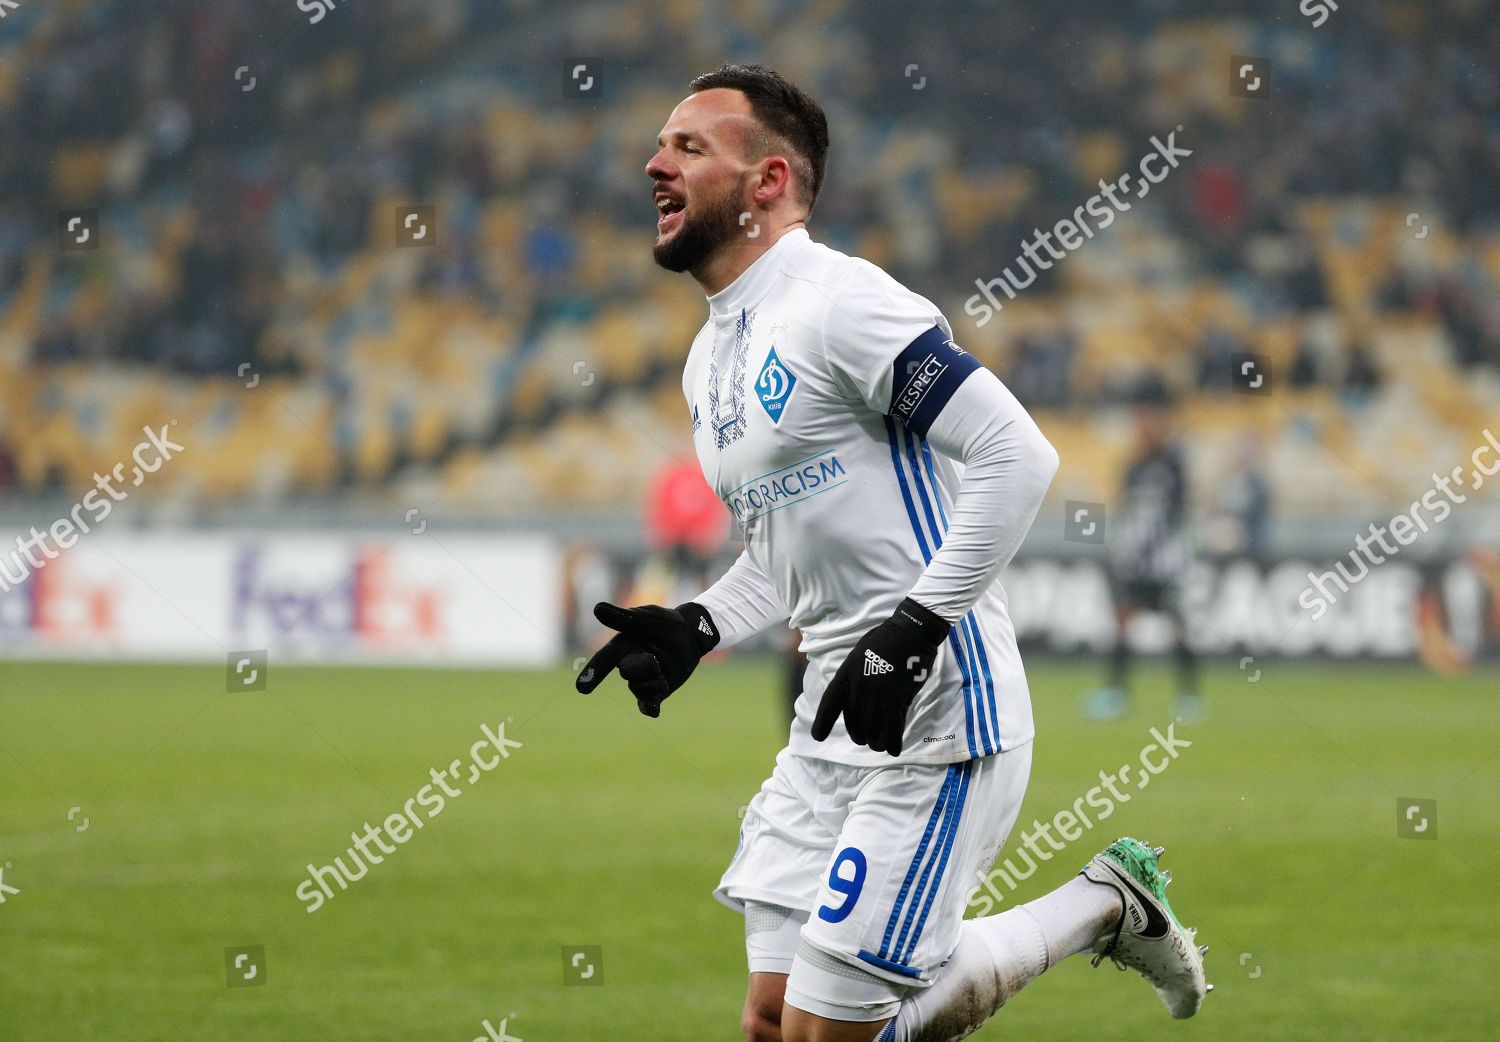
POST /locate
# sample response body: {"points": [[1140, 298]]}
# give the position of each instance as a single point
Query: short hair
{"points": [[788, 116]]}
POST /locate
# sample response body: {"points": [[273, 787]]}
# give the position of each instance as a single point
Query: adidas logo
{"points": [[705, 628], [875, 665]]}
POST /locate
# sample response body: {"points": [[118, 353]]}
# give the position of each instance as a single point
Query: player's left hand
{"points": [[877, 683], [656, 650]]}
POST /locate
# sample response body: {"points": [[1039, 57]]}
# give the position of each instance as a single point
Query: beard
{"points": [[715, 223]]}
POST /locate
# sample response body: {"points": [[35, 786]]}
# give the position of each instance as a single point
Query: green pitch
{"points": [[204, 809]]}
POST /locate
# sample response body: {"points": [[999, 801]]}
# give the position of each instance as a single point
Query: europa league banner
{"points": [[1446, 612]]}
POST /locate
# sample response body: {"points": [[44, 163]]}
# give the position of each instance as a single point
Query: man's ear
{"points": [[775, 180]]}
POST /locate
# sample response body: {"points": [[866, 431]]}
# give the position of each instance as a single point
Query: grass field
{"points": [[606, 829]]}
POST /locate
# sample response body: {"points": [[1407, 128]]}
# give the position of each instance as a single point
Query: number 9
{"points": [[839, 884]]}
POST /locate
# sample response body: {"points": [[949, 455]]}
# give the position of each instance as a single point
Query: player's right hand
{"points": [[655, 650]]}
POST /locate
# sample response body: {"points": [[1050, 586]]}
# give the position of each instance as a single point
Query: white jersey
{"points": [[812, 389]]}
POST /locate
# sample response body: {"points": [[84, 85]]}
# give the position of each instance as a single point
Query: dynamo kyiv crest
{"points": [[774, 386]]}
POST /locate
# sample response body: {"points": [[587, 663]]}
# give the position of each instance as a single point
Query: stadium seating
{"points": [[249, 283]]}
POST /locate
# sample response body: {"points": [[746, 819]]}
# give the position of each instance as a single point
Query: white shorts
{"points": [[881, 860]]}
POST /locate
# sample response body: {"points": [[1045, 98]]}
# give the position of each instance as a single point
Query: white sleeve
{"points": [[893, 350], [743, 602], [1008, 465], [873, 327]]}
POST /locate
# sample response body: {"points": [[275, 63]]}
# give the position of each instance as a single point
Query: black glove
{"points": [[878, 682], [656, 650]]}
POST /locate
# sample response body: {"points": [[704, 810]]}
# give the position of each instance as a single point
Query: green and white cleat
{"points": [[1149, 939]]}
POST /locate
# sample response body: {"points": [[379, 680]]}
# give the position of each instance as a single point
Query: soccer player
{"points": [[1150, 555], [882, 478]]}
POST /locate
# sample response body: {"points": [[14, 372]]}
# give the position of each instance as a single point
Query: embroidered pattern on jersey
{"points": [[731, 428], [774, 385]]}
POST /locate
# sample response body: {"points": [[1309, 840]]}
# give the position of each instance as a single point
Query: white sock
{"points": [[1073, 916], [999, 955]]}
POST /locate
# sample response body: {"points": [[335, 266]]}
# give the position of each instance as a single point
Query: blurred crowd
{"points": [[250, 163]]}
